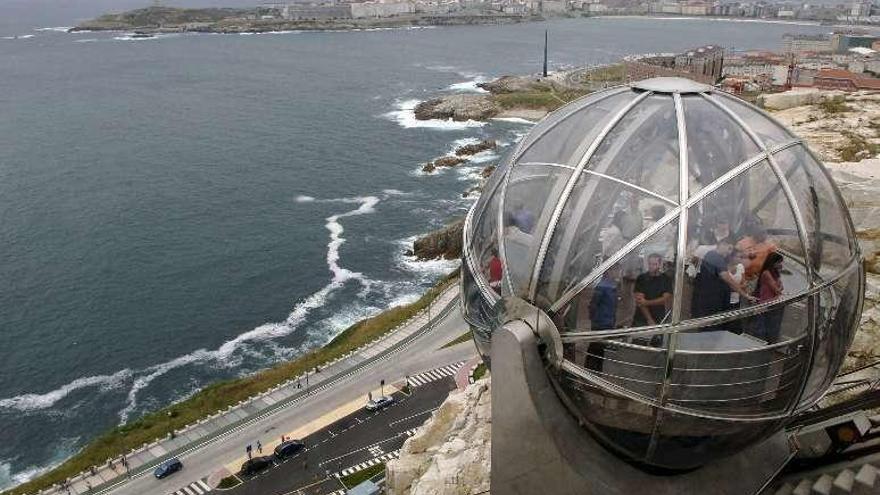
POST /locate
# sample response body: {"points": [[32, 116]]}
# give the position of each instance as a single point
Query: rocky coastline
{"points": [[161, 20]]}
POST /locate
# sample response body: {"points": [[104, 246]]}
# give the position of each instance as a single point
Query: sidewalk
{"points": [[238, 416]]}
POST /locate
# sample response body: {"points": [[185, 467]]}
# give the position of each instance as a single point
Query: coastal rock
{"points": [[458, 108], [839, 127], [429, 168], [448, 161], [487, 171], [510, 84], [443, 243], [473, 149], [450, 453]]}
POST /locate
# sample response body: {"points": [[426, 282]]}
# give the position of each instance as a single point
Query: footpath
{"points": [[102, 479]]}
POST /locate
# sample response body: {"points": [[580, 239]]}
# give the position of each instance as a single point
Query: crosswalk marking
{"points": [[434, 374], [198, 487], [366, 464]]}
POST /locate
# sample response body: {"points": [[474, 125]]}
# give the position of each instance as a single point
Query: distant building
{"points": [[363, 10], [843, 42], [704, 64], [705, 61], [315, 12], [837, 79], [803, 43], [554, 6], [695, 8]]}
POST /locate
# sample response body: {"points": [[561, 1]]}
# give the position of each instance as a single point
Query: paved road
{"points": [[351, 442], [423, 354]]}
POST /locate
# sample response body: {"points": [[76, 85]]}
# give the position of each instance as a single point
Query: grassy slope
{"points": [[220, 395]]}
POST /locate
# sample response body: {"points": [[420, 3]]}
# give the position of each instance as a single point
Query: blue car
{"points": [[168, 468]]}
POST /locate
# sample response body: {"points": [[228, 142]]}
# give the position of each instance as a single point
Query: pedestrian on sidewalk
{"points": [[93, 471], [111, 465], [259, 447]]}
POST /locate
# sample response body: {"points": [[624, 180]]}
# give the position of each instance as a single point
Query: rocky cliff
{"points": [[450, 453], [444, 243]]}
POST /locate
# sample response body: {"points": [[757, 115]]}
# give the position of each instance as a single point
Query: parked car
{"points": [[168, 468], [380, 403], [288, 448], [256, 465]]}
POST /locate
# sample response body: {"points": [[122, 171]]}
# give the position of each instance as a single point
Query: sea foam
{"points": [[405, 116], [141, 379]]}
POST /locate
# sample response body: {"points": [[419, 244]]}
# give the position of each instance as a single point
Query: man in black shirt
{"points": [[713, 284], [653, 293]]}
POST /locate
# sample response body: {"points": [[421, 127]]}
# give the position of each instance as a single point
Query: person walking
{"points": [[259, 447]]}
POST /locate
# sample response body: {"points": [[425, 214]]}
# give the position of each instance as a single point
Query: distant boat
{"points": [[142, 35]]}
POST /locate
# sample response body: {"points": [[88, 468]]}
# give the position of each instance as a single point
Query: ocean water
{"points": [[189, 208]]}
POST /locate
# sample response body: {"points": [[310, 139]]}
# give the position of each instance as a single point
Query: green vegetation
{"points": [[539, 99], [355, 479], [834, 105], [465, 337], [612, 74], [221, 395], [229, 482], [857, 148], [479, 371]]}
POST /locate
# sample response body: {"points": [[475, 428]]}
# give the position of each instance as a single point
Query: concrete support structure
{"points": [[538, 447]]}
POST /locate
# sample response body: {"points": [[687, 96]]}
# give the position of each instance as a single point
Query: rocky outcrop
{"points": [[511, 84], [450, 453], [458, 107], [838, 127], [443, 161], [444, 243], [473, 149]]}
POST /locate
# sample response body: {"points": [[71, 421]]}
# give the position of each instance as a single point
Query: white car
{"points": [[380, 403]]}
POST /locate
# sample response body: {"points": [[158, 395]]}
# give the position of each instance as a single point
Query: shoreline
{"points": [[218, 395], [154, 23]]}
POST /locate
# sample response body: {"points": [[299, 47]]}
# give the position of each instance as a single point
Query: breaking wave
{"points": [[141, 379], [405, 116]]}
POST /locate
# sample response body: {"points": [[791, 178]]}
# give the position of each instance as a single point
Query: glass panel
{"points": [[642, 148], [824, 216], [716, 143], [741, 234], [493, 182], [768, 131], [836, 324], [635, 292], [567, 142], [600, 217], [532, 193], [685, 442], [751, 377], [476, 310], [619, 422], [484, 244]]}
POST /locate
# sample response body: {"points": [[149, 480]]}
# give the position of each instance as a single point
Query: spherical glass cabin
{"points": [[695, 259]]}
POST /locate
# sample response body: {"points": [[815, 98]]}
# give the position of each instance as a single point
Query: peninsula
{"points": [[348, 16]]}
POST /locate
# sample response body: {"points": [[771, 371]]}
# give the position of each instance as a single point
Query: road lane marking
{"points": [[435, 374]]}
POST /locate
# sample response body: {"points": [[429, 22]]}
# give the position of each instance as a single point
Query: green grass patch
{"points": [[834, 105], [857, 148], [355, 479], [465, 337], [228, 482], [480, 371], [611, 73], [220, 395], [538, 100]]}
